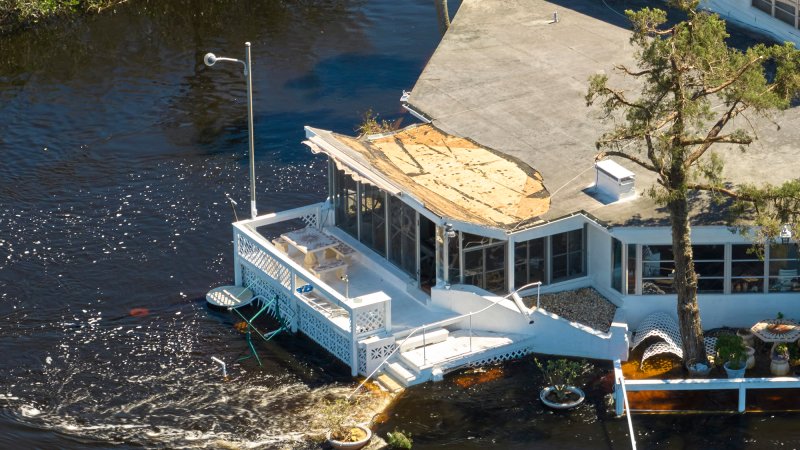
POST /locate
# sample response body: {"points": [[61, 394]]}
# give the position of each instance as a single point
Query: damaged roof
{"points": [[453, 177]]}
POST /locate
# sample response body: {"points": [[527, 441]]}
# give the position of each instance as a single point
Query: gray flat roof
{"points": [[508, 78]]}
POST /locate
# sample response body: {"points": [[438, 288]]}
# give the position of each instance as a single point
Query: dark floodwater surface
{"points": [[118, 149]]}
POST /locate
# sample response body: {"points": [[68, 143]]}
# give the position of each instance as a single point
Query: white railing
{"points": [[699, 384], [269, 271]]}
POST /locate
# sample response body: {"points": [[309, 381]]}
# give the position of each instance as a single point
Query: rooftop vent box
{"points": [[614, 181]]}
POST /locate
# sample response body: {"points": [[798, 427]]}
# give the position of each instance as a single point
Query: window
{"points": [[567, 259], [373, 218], [484, 262], [783, 265], [346, 203], [709, 264], [616, 264], [403, 236], [529, 262], [658, 266], [631, 268], [785, 11], [454, 260], [747, 270]]}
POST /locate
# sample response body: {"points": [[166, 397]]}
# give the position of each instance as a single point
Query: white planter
{"points": [[747, 336], [751, 357], [341, 445], [555, 405], [779, 367]]}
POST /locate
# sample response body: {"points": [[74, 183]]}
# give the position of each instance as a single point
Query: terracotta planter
{"points": [[342, 445], [566, 405]]}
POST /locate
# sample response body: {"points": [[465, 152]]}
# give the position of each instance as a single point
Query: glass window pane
{"points": [[782, 268], [708, 252], [657, 252], [559, 270], [454, 260], [575, 262], [657, 269], [616, 265], [575, 239], [658, 286], [747, 269], [473, 240], [496, 257], [559, 243], [710, 269], [739, 251], [709, 286], [631, 268], [747, 285], [783, 251], [784, 284]]}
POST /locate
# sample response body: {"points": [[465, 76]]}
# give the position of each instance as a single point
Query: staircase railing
{"points": [[439, 324]]}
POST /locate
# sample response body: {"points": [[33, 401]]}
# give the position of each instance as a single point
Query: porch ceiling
{"points": [[453, 177]]}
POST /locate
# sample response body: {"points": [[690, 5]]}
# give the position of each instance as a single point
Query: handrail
{"points": [[621, 380], [437, 323]]}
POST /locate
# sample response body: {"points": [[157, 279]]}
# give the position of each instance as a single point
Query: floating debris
{"points": [[139, 312]]}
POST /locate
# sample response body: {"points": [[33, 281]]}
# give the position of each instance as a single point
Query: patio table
{"points": [[310, 242], [776, 330]]}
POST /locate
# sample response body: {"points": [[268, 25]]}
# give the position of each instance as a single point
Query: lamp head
{"points": [[786, 234], [210, 59]]}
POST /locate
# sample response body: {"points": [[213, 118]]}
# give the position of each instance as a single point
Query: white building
{"points": [[435, 231]]}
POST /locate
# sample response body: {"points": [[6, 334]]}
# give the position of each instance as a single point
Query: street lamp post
{"points": [[210, 59]]}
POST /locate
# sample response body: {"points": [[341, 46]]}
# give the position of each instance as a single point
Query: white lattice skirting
{"points": [[282, 308], [308, 321]]}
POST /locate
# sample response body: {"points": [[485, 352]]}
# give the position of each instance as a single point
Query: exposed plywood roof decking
{"points": [[453, 177]]}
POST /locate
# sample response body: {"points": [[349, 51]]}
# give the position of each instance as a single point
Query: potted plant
{"points": [[732, 353], [698, 368], [342, 433], [779, 366], [561, 377]]}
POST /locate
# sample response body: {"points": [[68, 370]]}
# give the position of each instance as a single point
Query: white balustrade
{"points": [[696, 384], [305, 302]]}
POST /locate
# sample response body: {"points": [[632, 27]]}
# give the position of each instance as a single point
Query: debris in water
{"points": [[241, 326], [139, 312], [479, 377]]}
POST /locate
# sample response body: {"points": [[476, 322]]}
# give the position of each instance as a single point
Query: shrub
{"points": [[561, 373], [399, 440], [730, 349]]}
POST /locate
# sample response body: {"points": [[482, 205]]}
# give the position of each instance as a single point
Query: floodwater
{"points": [[119, 148]]}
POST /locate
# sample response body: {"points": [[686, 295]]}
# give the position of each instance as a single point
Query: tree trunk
{"points": [[685, 279]]}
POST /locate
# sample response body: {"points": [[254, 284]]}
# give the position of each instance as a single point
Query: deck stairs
{"points": [[442, 350]]}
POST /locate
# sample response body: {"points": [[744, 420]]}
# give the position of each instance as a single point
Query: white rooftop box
{"points": [[614, 180]]}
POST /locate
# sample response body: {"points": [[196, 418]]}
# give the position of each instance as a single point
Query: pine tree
{"points": [[691, 87]]}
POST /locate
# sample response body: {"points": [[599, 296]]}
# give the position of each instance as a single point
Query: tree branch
{"points": [[620, 97], [707, 187], [724, 139], [633, 74], [730, 81], [732, 112]]}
